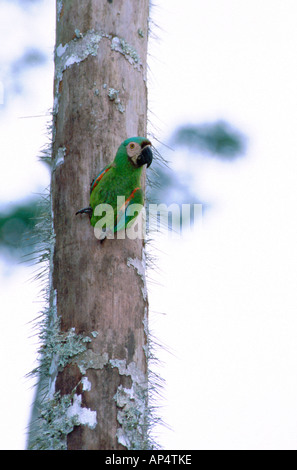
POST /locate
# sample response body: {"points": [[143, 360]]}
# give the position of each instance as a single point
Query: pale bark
{"points": [[100, 45]]}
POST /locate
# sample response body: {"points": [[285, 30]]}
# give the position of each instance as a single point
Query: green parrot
{"points": [[117, 188]]}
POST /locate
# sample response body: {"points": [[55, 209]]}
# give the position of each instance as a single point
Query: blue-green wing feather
{"points": [[122, 219]]}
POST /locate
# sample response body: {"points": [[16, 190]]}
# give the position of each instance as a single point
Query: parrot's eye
{"points": [[133, 151]]}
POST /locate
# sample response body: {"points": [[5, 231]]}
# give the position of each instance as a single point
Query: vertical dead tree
{"points": [[94, 358]]}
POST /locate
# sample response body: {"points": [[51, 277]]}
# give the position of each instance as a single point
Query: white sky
{"points": [[229, 289]]}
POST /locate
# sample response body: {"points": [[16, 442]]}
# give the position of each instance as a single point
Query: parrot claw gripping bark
{"points": [[119, 179]]}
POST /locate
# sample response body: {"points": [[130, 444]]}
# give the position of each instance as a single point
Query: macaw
{"points": [[121, 178]]}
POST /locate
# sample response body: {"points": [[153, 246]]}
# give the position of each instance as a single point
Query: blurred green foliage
{"points": [[218, 139], [16, 227]]}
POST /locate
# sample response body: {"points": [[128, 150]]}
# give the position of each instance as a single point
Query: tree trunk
{"points": [[98, 290]]}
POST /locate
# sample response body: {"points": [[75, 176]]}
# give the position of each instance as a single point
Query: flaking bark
{"points": [[97, 289]]}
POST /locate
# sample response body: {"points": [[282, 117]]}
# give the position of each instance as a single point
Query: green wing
{"points": [[99, 177]]}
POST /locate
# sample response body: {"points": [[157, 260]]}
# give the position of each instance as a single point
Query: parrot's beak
{"points": [[146, 155]]}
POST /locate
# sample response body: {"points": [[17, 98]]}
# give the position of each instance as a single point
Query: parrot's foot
{"points": [[86, 210]]}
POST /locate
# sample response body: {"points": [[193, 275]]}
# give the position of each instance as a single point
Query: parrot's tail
{"points": [[86, 210]]}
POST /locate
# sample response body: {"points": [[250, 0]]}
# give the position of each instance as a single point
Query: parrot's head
{"points": [[138, 150]]}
